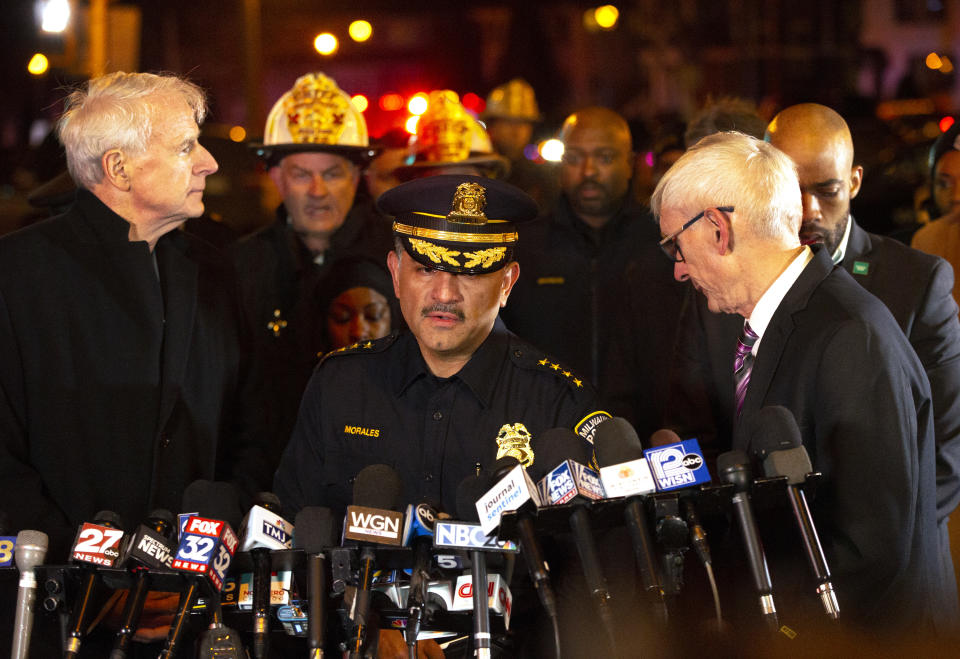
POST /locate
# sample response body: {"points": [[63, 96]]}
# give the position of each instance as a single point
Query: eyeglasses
{"points": [[669, 244]]}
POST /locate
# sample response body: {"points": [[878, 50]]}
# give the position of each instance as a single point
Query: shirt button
{"points": [[164, 441], [428, 477], [518, 353], [437, 415]]}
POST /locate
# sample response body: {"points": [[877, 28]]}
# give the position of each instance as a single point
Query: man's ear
{"points": [[114, 165], [722, 230], [856, 179], [393, 264], [510, 275]]}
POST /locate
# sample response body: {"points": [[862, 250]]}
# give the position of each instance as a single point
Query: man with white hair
{"points": [[816, 343], [122, 364]]}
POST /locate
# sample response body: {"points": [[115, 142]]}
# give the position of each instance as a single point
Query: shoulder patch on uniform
{"points": [[374, 346], [531, 358], [587, 426]]}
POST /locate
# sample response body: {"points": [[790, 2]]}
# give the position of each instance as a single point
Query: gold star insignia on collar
{"points": [[566, 374], [555, 367], [368, 344], [543, 362], [577, 382]]}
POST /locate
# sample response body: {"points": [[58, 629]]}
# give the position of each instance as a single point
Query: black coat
{"points": [[834, 356], [279, 283], [122, 378]]}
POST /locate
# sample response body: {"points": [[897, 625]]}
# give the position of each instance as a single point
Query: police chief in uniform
{"points": [[455, 391]]}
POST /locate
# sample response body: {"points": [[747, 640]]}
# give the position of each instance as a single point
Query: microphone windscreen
{"points": [[774, 428], [213, 500], [555, 445], [108, 518], [268, 500], [378, 486], [794, 463], [314, 529], [162, 515], [615, 441], [31, 549], [663, 437], [469, 491]]}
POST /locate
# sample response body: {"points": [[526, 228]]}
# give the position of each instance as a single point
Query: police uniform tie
{"points": [[743, 363]]}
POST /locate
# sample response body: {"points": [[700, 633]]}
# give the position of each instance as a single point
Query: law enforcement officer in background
{"points": [[593, 264], [432, 401], [315, 145]]}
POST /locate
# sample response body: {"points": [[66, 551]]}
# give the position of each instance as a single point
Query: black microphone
{"points": [[469, 490], [571, 481], [30, 551], [206, 548], [264, 530], [315, 531], [507, 475], [418, 534], [625, 472], [97, 544], [733, 467], [150, 548], [377, 493], [775, 437]]}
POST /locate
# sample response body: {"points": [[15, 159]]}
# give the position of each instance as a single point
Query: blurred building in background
{"points": [[886, 65]]}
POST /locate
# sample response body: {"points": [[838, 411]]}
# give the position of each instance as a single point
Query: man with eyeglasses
{"points": [[820, 345], [591, 264]]}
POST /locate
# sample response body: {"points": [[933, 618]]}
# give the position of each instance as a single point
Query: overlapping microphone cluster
{"points": [[413, 568]]}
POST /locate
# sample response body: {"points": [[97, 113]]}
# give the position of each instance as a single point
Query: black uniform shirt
{"points": [[378, 403]]}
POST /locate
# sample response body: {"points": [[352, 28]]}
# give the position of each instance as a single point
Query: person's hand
{"points": [[393, 646], [158, 611]]}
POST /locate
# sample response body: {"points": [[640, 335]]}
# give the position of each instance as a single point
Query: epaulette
{"points": [[361, 347], [528, 357]]}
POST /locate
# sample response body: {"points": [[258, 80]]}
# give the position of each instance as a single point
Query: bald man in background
{"points": [[588, 263]]}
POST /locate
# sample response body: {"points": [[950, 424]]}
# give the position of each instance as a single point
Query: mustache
{"points": [[443, 308]]}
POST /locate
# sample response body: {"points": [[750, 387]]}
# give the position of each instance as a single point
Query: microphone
{"points": [[775, 437], [206, 549], [733, 467], [572, 482], [372, 518], [468, 491], [510, 488], [264, 530], [624, 472], [315, 531], [418, 533], [150, 548], [97, 544], [31, 549]]}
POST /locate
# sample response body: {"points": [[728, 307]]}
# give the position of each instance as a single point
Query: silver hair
{"points": [[115, 111], [733, 169]]}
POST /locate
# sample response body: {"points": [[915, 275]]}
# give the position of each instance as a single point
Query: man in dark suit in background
{"points": [[833, 355]]}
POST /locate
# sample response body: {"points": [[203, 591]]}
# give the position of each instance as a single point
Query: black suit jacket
{"points": [[123, 376], [832, 354], [914, 286]]}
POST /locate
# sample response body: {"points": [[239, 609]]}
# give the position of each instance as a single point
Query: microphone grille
{"points": [[378, 486], [615, 441]]}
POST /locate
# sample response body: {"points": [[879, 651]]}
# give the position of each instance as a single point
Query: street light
{"points": [[54, 15]]}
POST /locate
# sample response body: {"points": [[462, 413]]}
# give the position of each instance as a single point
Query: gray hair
{"points": [[115, 111], [733, 169]]}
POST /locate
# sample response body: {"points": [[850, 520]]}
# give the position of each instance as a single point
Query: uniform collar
{"points": [[480, 373]]}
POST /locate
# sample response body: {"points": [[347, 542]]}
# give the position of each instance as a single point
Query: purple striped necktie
{"points": [[743, 363]]}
